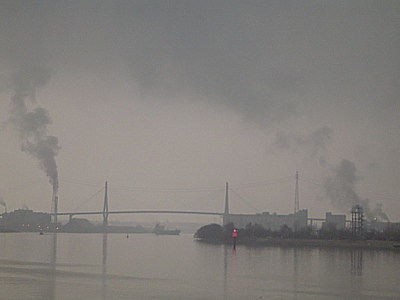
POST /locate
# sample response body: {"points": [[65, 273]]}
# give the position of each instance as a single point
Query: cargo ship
{"points": [[160, 230]]}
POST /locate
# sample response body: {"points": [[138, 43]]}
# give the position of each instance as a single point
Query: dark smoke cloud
{"points": [[260, 59], [267, 61], [315, 143], [341, 191], [31, 124], [377, 212]]}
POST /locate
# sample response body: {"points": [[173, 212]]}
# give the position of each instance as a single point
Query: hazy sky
{"points": [[168, 100]]}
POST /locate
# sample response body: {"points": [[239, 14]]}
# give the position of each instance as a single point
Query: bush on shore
{"points": [[215, 232]]}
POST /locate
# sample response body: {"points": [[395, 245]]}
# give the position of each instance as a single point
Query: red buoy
{"points": [[234, 235]]}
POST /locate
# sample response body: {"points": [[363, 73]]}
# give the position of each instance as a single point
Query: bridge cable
{"points": [[244, 200], [90, 198], [265, 182]]}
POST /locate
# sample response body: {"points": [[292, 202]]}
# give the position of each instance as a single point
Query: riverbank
{"points": [[293, 243]]}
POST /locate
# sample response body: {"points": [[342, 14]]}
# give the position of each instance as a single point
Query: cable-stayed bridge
{"points": [[105, 212]]}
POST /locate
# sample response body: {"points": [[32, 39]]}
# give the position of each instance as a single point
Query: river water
{"points": [[146, 266]]}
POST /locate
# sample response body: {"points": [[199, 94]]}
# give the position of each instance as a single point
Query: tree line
{"points": [[329, 231]]}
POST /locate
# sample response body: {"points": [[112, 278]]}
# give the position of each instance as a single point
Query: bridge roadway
{"points": [[71, 214]]}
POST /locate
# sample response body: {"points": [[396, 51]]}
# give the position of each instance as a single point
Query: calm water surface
{"points": [[145, 266]]}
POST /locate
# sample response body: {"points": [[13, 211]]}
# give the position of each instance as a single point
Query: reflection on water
{"points": [[356, 262], [52, 284], [225, 270], [104, 267], [295, 273], [229, 253], [234, 261], [111, 266]]}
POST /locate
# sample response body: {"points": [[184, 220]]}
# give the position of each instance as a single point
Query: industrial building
{"points": [[338, 220], [273, 221], [25, 220]]}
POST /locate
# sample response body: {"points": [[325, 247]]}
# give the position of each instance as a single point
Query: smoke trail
{"points": [[32, 124], [314, 144], [377, 212], [340, 189], [2, 202]]}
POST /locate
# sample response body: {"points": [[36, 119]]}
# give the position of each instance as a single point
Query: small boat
{"points": [[160, 230]]}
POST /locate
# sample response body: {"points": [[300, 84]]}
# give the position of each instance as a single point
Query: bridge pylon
{"points": [[105, 208], [225, 219]]}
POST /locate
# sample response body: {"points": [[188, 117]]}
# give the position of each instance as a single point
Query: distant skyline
{"points": [[168, 100]]}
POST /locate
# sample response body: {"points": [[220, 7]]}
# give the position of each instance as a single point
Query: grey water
{"points": [[146, 266]]}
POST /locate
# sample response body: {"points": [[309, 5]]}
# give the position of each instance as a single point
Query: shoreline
{"points": [[314, 243]]}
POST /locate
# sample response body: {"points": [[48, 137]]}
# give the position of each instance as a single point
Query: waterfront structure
{"points": [[338, 220], [26, 220], [79, 225], [296, 220], [357, 220], [269, 221]]}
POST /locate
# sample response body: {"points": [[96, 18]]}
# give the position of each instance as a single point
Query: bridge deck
{"points": [[141, 212]]}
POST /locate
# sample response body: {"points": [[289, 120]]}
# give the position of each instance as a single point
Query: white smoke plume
{"points": [[31, 124], [341, 191]]}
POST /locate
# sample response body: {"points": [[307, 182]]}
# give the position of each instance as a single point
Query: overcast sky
{"points": [[168, 100]]}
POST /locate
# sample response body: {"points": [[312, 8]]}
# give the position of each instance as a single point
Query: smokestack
{"points": [[31, 124], [54, 200]]}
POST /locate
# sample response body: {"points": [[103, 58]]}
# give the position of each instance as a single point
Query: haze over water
{"points": [[180, 96], [146, 266]]}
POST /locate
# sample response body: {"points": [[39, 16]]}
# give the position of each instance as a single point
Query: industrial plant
{"points": [[25, 220]]}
